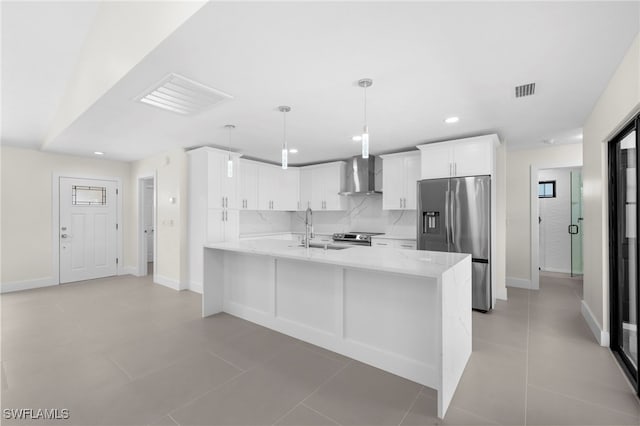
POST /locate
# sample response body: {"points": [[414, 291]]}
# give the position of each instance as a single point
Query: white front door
{"points": [[88, 229]]}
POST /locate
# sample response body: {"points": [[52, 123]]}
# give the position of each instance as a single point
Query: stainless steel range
{"points": [[355, 238]]}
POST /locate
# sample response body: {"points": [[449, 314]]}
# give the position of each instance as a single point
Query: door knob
{"points": [[65, 236]]}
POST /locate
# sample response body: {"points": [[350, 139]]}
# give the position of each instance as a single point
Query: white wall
{"points": [[170, 170], [555, 240], [518, 210], [619, 102], [27, 226]]}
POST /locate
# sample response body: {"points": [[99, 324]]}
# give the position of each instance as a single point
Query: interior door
{"points": [[88, 234], [575, 229], [148, 219]]}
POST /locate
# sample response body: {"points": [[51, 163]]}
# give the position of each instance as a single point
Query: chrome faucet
{"points": [[308, 226]]}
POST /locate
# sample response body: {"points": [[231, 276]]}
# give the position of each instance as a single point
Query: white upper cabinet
{"points": [[222, 190], [248, 185], [306, 187], [289, 190], [278, 189], [400, 172], [457, 158], [320, 185]]}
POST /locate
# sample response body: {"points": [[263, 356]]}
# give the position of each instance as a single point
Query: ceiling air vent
{"points": [[525, 90], [183, 96]]}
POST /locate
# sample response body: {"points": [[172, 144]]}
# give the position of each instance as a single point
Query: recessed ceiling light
{"points": [[356, 138], [98, 153], [293, 151], [451, 120]]}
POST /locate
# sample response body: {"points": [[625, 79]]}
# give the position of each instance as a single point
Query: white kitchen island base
{"points": [[410, 316]]}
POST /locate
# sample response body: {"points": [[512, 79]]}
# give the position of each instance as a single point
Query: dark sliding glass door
{"points": [[623, 224]]}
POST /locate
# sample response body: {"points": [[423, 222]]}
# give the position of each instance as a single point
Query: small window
{"points": [[88, 195], [547, 189]]}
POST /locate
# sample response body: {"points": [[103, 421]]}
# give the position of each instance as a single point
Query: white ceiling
{"points": [[428, 61], [41, 44]]}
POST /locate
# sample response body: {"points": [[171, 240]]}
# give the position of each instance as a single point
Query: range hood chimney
{"points": [[361, 176]]}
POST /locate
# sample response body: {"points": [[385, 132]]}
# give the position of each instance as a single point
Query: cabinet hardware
{"points": [[401, 202], [222, 216], [223, 202]]}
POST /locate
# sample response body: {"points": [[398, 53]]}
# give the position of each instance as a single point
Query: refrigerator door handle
{"points": [[446, 217], [452, 224]]}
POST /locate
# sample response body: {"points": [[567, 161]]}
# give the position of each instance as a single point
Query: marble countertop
{"points": [[395, 237], [429, 264]]}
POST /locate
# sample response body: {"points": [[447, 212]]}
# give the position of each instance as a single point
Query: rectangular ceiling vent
{"points": [[183, 96], [525, 90]]}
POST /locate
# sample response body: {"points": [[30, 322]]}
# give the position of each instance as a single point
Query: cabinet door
{"points": [[214, 185], [333, 179], [267, 182], [231, 225], [393, 183], [318, 174], [215, 225], [288, 192], [405, 244], [248, 191], [229, 185], [436, 161], [412, 175], [472, 158], [306, 188]]}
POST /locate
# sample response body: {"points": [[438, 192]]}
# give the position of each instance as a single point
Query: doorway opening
{"points": [[624, 257], [560, 220], [146, 226]]}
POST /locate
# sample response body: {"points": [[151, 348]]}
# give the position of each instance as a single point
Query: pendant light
{"points": [[229, 127], [285, 152], [364, 83]]}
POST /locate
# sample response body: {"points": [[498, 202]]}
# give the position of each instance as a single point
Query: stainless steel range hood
{"points": [[361, 176]]}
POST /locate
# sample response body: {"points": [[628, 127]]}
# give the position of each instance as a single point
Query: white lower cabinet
{"points": [[404, 244]]}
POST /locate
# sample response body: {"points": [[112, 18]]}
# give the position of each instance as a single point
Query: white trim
{"points": [[28, 284], [167, 282], [601, 336], [557, 270], [142, 242], [533, 213], [129, 270], [501, 293], [55, 219], [520, 283]]}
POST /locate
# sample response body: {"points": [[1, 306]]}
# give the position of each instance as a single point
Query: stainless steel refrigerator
{"points": [[454, 215]]}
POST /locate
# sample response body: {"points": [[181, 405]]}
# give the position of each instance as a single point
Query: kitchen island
{"points": [[406, 312]]}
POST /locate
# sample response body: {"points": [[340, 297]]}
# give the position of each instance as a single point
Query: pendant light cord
{"points": [[284, 142], [365, 106]]}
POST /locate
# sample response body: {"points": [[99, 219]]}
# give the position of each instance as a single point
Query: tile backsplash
{"points": [[364, 213]]}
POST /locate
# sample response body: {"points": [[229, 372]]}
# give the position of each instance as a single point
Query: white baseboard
{"points": [[601, 336], [519, 283], [27, 284], [196, 288], [501, 293], [167, 282], [128, 270]]}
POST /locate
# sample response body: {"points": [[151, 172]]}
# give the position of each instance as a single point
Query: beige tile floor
{"points": [[125, 351]]}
